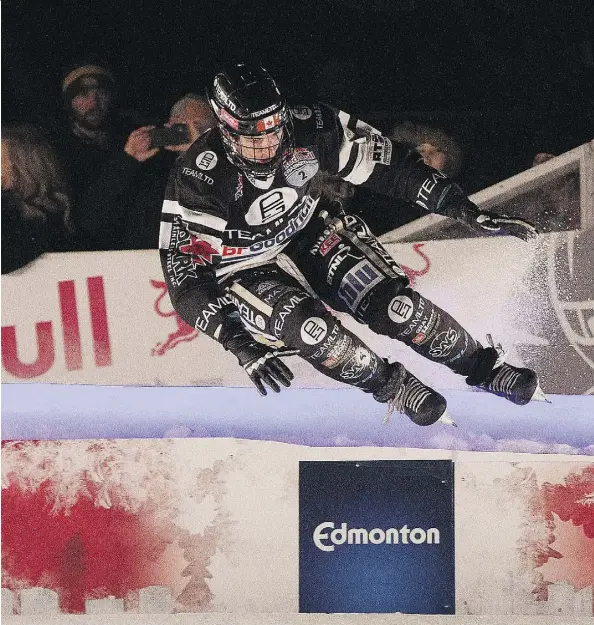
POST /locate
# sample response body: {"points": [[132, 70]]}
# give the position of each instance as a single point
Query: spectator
{"points": [[88, 137], [122, 208], [194, 111], [89, 97], [438, 149], [36, 206], [542, 157]]}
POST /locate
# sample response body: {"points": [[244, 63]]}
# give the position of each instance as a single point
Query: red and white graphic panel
{"points": [[106, 318]]}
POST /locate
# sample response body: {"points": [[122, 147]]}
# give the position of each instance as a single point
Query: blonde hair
{"points": [[37, 178], [179, 108]]}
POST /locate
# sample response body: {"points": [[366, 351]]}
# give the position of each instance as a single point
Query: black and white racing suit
{"points": [[222, 233]]}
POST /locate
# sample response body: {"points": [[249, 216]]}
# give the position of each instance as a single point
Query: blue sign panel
{"points": [[376, 536]]}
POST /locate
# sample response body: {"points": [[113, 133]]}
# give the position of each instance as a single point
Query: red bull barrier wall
{"points": [[105, 318]]}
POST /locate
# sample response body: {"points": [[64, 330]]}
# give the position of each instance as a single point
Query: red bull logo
{"points": [[183, 333], [70, 325], [413, 274]]}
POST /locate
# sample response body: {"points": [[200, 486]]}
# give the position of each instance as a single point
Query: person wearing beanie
{"points": [[99, 149], [117, 175], [89, 96]]}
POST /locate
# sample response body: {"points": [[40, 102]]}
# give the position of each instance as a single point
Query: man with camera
{"points": [[119, 176], [188, 119]]}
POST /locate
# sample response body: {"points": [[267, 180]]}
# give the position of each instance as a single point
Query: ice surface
{"points": [[317, 417]]}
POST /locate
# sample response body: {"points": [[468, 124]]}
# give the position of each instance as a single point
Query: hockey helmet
{"points": [[253, 118]]}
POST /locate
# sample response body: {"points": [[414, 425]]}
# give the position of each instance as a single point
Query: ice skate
{"points": [[517, 384], [404, 393]]}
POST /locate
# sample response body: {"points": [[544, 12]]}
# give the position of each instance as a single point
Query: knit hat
{"points": [[71, 83]]}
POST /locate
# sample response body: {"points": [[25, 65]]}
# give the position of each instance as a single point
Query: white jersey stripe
{"points": [[364, 165], [344, 119], [251, 299], [346, 146], [165, 231], [215, 242], [264, 258], [164, 235], [366, 128], [194, 217], [360, 141]]}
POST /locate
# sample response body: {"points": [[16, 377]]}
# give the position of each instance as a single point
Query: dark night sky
{"points": [[516, 68]]}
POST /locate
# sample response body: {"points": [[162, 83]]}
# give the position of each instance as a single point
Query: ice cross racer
{"points": [[241, 198]]}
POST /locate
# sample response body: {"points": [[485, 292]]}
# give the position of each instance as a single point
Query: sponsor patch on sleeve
{"points": [[379, 149]]}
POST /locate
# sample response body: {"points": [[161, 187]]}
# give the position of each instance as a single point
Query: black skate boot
{"points": [[404, 393], [517, 384]]}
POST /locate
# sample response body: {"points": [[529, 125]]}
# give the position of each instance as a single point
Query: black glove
{"points": [[498, 225], [261, 363], [493, 224]]}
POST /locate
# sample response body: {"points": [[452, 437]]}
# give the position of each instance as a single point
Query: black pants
{"points": [[348, 269]]}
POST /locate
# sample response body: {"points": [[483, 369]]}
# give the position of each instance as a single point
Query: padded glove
{"points": [[493, 224], [261, 363]]}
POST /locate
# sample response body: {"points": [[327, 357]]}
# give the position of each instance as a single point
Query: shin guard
{"points": [[329, 347], [404, 314]]}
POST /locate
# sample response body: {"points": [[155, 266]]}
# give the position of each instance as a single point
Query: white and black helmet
{"points": [[247, 103]]}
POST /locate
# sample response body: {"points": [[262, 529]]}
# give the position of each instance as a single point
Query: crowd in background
{"points": [[91, 180], [95, 178]]}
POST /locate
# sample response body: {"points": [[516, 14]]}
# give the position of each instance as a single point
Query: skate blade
{"points": [[387, 416], [540, 396], [445, 418]]}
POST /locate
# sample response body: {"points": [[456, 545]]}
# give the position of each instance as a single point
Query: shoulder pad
{"points": [[313, 118], [203, 163]]}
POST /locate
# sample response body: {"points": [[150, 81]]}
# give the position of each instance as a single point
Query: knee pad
{"points": [[301, 322], [401, 313]]}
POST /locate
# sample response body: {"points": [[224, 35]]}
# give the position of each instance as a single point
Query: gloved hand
{"points": [[497, 225], [494, 224], [262, 363]]}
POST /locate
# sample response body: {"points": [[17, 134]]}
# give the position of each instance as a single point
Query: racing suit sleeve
{"points": [[361, 155], [190, 246]]}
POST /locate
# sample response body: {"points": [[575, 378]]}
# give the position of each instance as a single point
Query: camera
{"points": [[177, 134]]}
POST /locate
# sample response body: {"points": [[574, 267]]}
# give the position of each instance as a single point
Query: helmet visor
{"points": [[248, 126]]}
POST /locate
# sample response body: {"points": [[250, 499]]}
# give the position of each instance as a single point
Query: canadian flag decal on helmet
{"points": [[268, 122]]}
